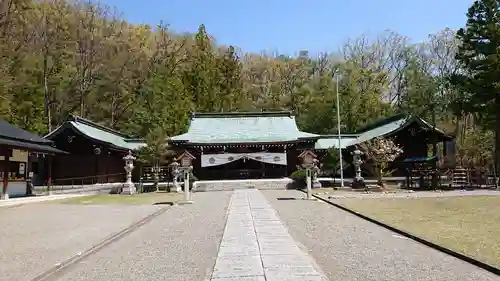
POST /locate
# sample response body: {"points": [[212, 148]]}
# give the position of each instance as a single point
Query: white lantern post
{"points": [[186, 163], [128, 186], [357, 161], [308, 162]]}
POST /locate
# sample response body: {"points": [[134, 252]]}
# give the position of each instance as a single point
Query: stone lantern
{"points": [[175, 175], [128, 186], [308, 159], [186, 160], [357, 161]]}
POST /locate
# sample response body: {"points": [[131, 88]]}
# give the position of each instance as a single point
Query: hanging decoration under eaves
{"points": [[239, 145], [208, 160]]}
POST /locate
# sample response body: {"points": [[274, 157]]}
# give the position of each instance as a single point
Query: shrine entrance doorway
{"points": [[233, 166]]}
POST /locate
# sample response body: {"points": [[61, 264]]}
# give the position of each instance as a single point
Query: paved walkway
{"points": [[256, 245]]}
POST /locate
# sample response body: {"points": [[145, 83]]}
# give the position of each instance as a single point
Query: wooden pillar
{"points": [[49, 173], [286, 158], [262, 170], [27, 175], [96, 167], [6, 153], [445, 148], [5, 180], [108, 163]]}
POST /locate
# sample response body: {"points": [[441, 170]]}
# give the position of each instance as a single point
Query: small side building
{"points": [[15, 146], [412, 133], [95, 152]]}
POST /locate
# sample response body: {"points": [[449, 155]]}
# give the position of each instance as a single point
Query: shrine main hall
{"points": [[243, 145], [257, 145]]}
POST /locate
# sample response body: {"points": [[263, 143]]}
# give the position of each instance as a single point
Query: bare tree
{"points": [[385, 54]]}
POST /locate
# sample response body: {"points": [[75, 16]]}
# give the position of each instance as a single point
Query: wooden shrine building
{"points": [[267, 144], [412, 133], [14, 169], [238, 145], [96, 152]]}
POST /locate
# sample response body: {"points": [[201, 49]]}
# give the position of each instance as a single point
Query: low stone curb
{"points": [[56, 271], [457, 255]]}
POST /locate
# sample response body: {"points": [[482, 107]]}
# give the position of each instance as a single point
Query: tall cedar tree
{"points": [[480, 58], [229, 80]]}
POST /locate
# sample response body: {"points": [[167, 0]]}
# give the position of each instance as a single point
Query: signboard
{"points": [[22, 170]]}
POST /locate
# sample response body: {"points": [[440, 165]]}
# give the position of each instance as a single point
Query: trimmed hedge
{"points": [[299, 178]]}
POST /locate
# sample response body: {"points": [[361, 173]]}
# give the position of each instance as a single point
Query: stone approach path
{"points": [[256, 246]]}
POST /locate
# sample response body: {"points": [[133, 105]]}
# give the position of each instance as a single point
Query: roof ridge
{"points": [[242, 114], [134, 140], [90, 123], [341, 135], [383, 121]]}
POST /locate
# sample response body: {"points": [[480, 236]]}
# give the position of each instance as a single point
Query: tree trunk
{"points": [[46, 94], [379, 176]]}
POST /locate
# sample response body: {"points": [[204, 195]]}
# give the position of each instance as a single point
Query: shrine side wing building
{"points": [[95, 152]]}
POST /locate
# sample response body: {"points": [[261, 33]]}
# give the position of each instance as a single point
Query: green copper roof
{"points": [[236, 127], [392, 125], [381, 128], [98, 133]]}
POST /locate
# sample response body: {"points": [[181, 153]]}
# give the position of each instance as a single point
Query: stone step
{"points": [[229, 185]]}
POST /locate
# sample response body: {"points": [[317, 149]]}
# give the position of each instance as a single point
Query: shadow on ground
{"points": [[287, 198]]}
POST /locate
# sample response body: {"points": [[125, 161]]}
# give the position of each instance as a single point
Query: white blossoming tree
{"points": [[379, 152]]}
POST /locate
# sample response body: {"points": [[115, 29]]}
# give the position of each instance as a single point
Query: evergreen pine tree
{"points": [[479, 55]]}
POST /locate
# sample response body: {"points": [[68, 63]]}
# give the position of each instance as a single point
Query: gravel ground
{"points": [[34, 237], [350, 248], [179, 245]]}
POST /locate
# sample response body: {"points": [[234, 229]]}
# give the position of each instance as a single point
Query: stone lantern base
{"points": [[316, 183], [358, 182], [128, 189], [176, 187]]}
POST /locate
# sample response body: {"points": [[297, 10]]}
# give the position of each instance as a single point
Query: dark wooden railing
{"points": [[451, 178]]}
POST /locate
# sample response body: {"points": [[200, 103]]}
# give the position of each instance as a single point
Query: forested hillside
{"points": [[61, 57]]}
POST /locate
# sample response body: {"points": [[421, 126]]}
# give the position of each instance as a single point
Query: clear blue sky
{"points": [[292, 25]]}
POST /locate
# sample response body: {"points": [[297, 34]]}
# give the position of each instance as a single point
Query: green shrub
{"points": [[299, 177]]}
